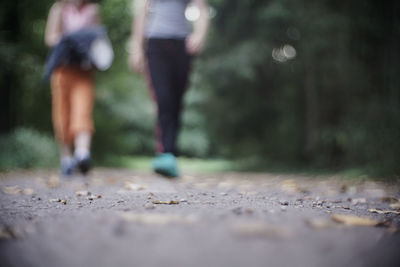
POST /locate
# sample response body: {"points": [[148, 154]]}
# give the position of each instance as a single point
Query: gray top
{"points": [[166, 19]]}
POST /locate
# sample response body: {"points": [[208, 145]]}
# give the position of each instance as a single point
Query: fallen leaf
{"points": [[93, 197], [111, 180], [7, 232], [170, 202], [351, 190], [352, 220], [158, 219], [134, 187], [390, 199], [88, 194], [395, 206], [320, 223], [11, 190], [82, 193], [226, 185], [63, 201], [15, 190], [384, 211], [356, 201], [343, 188], [260, 229], [53, 182], [289, 186], [28, 191]]}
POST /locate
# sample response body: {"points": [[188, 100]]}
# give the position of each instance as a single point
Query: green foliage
{"points": [[27, 148], [332, 106]]}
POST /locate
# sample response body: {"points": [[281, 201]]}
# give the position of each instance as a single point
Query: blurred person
{"points": [[72, 26], [163, 44]]}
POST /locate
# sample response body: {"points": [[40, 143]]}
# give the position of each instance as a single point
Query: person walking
{"points": [[163, 45], [72, 85]]}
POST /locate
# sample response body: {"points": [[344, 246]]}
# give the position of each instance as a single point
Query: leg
{"points": [[61, 117], [61, 107], [160, 56], [182, 67], [160, 74], [81, 117]]}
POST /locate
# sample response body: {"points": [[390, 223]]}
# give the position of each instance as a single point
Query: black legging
{"points": [[168, 72]]}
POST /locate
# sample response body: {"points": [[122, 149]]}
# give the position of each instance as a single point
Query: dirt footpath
{"points": [[125, 218]]}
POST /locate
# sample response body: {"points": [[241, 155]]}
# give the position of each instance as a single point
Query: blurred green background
{"points": [[282, 84]]}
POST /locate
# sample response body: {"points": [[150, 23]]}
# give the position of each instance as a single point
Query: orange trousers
{"points": [[72, 103]]}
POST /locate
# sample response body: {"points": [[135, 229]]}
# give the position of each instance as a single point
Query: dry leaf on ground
{"points": [[53, 182], [351, 190], [28, 191], [226, 185], [390, 199], [169, 202], [395, 206], [7, 232], [352, 220], [87, 194], [63, 201], [82, 193], [384, 211], [290, 186], [320, 223], [15, 190], [93, 197], [11, 190], [133, 186], [356, 201]]}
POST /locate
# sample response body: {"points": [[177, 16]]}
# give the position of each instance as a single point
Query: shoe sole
{"points": [[165, 173], [85, 166]]}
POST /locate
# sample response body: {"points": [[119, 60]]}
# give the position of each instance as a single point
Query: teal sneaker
{"points": [[166, 165]]}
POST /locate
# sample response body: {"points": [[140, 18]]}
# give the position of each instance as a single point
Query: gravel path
{"points": [[117, 217]]}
